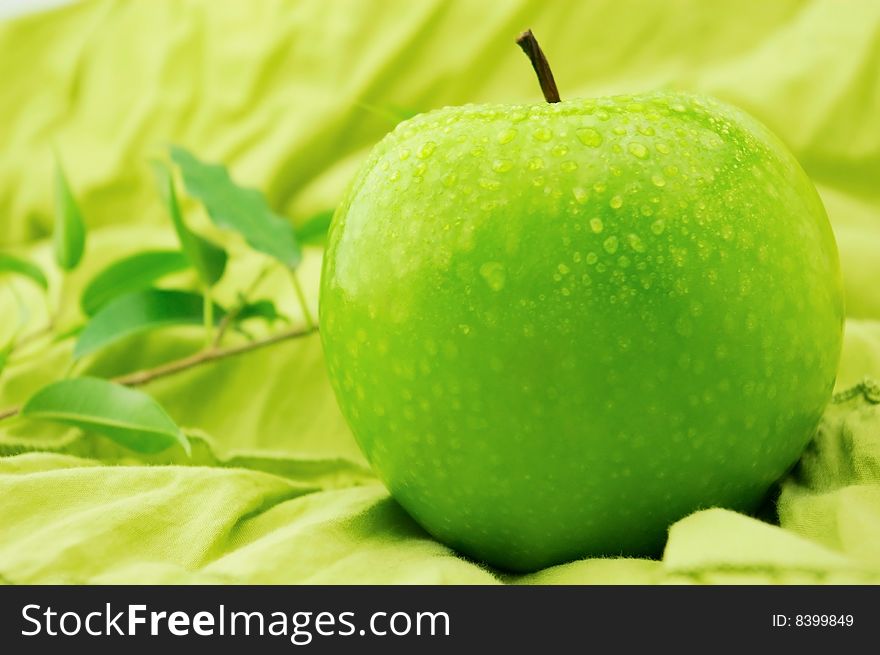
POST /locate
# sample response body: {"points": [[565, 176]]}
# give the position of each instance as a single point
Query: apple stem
{"points": [[529, 45]]}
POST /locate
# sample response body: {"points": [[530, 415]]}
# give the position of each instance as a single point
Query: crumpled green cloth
{"points": [[291, 96]]}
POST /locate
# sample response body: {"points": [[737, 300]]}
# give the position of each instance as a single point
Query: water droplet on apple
{"points": [[637, 150], [502, 165], [403, 153], [596, 224], [542, 134], [492, 185], [646, 130], [711, 140], [448, 180], [589, 137], [559, 150], [592, 258], [619, 130], [426, 150], [683, 326], [616, 202], [662, 148], [658, 180], [494, 274], [563, 269], [623, 261], [506, 136], [610, 245], [568, 165], [679, 257], [536, 164], [635, 242], [599, 187]]}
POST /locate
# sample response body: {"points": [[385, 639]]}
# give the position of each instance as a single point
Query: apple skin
{"points": [[556, 329]]}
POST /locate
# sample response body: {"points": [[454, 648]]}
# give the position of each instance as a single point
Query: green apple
{"points": [[556, 329]]}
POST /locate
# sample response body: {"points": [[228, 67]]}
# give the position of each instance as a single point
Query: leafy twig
{"points": [[212, 354], [208, 316], [301, 297], [9, 412], [233, 313], [143, 377]]}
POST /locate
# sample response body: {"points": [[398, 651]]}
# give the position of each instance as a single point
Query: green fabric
{"points": [[277, 490]]}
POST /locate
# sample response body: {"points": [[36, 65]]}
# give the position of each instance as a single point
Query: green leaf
{"points": [[236, 208], [68, 333], [11, 264], [403, 113], [263, 309], [70, 229], [138, 312], [207, 258], [314, 230], [127, 416], [5, 351], [130, 274], [394, 114]]}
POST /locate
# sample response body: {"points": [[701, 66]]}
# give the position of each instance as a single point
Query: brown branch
{"points": [[139, 378]]}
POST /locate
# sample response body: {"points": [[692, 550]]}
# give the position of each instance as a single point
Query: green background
{"points": [[286, 93]]}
